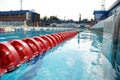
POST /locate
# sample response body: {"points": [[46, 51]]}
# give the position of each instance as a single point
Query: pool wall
{"points": [[30, 28], [111, 39]]}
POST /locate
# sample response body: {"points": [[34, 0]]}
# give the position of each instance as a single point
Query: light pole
{"points": [[20, 4]]}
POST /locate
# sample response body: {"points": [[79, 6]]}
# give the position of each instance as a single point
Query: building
{"points": [[101, 15], [112, 10], [19, 17], [98, 14]]}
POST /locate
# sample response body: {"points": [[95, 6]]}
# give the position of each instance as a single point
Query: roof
{"points": [[114, 5], [99, 12], [15, 12]]}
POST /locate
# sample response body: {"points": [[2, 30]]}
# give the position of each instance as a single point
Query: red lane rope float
{"points": [[42, 43], [53, 40], [33, 44], [23, 50], [49, 41], [9, 59], [15, 52], [56, 38], [59, 37], [2, 29], [63, 38], [64, 35]]}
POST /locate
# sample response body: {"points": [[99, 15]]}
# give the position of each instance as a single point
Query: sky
{"points": [[63, 9]]}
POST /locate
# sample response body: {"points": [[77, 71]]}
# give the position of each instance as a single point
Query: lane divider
{"points": [[23, 50], [16, 52]]}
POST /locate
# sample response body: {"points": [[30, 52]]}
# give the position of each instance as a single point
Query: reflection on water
{"points": [[100, 70]]}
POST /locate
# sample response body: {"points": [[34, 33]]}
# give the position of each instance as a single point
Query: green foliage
{"points": [[50, 18], [53, 18], [45, 18]]}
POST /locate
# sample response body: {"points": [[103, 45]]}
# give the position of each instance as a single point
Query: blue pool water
{"points": [[78, 58], [23, 34]]}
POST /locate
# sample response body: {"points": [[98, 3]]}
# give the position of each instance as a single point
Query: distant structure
{"points": [[103, 14], [19, 17], [20, 4], [79, 17], [112, 10], [103, 5], [98, 14]]}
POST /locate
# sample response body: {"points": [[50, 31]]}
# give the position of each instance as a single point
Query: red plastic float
{"points": [[49, 41], [60, 38], [56, 38], [23, 50], [42, 43], [9, 58], [2, 29], [53, 40], [33, 44], [63, 38]]}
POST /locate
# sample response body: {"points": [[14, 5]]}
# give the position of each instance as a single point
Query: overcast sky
{"points": [[68, 9]]}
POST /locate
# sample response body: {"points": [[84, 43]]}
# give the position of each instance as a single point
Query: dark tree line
{"points": [[50, 18]]}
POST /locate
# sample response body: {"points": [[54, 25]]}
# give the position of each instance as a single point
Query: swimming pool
{"points": [[78, 58]]}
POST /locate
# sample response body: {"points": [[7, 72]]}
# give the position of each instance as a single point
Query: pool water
{"points": [[78, 58], [23, 34]]}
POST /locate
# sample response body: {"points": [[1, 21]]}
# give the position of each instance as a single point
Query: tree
{"points": [[45, 18], [85, 20], [91, 22], [53, 18]]}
